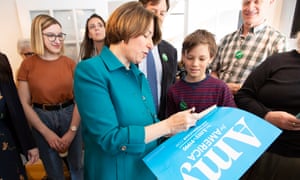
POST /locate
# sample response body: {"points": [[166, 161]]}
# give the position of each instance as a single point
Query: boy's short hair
{"points": [[200, 36]]}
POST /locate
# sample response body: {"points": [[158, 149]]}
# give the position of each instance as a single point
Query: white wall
{"points": [[24, 6], [286, 17], [15, 19], [10, 31]]}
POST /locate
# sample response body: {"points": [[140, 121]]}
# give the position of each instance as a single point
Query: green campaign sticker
{"points": [[183, 105], [165, 57], [239, 54]]}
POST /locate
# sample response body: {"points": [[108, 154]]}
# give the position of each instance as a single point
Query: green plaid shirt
{"points": [[262, 42]]}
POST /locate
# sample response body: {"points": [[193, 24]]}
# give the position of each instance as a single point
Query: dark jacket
{"points": [[16, 119], [169, 70]]}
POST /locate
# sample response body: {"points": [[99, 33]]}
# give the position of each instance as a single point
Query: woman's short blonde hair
{"points": [[131, 20], [39, 23]]}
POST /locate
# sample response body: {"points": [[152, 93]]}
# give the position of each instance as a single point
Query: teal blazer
{"points": [[115, 105]]}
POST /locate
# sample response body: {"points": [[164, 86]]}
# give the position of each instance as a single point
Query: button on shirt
{"points": [[123, 148]]}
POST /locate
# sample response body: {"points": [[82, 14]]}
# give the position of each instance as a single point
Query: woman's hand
{"points": [[33, 155], [54, 141], [67, 140], [181, 121], [178, 122], [283, 120]]}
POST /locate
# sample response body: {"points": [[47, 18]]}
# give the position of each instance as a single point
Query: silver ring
{"points": [[294, 124]]}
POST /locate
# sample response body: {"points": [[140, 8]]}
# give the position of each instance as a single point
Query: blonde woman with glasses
{"points": [[46, 91]]}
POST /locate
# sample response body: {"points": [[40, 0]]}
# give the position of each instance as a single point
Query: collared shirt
{"points": [[254, 48], [158, 66]]}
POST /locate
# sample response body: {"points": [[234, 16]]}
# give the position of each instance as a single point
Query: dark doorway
{"points": [[296, 21]]}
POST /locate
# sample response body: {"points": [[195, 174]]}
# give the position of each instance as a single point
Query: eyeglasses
{"points": [[27, 54], [52, 37]]}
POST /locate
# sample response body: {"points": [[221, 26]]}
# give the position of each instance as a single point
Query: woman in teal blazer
{"points": [[119, 124]]}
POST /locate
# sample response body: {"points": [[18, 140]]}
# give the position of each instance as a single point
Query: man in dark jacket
{"points": [[165, 59]]}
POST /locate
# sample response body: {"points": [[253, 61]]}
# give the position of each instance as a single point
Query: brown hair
{"points": [[39, 23], [130, 20], [199, 36], [5, 69], [87, 45], [154, 2]]}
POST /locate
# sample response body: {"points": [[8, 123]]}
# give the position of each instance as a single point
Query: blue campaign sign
{"points": [[223, 145]]}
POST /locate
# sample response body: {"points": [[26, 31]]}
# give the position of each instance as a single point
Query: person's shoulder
{"points": [[89, 63], [216, 81], [168, 53], [66, 58], [4, 58], [230, 34], [2, 55], [29, 63], [281, 56], [166, 44], [228, 37], [274, 31], [85, 62], [31, 59], [276, 59], [177, 84]]}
